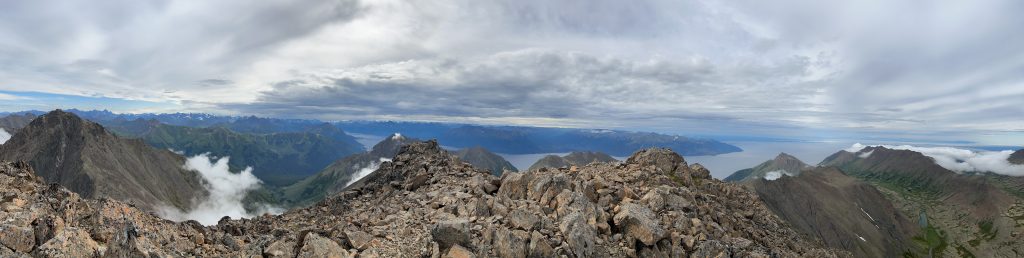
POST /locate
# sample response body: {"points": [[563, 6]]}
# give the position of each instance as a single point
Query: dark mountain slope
{"points": [[968, 213], [276, 158], [340, 173], [14, 122], [576, 158], [1017, 157], [783, 163], [843, 211], [85, 158], [484, 159]]}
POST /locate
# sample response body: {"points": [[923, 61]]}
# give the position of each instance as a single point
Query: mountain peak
{"points": [[1017, 157]]}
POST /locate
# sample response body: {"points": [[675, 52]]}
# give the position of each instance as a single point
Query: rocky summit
{"points": [[426, 203]]}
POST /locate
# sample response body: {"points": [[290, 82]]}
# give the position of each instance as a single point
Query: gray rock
{"points": [[524, 220], [509, 244], [451, 232], [579, 235], [515, 185], [639, 222], [317, 246]]}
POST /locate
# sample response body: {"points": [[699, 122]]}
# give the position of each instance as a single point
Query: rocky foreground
{"points": [[427, 203]]}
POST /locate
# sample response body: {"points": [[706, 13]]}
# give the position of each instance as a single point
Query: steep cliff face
{"points": [[1017, 157], [844, 212], [88, 160], [426, 203]]}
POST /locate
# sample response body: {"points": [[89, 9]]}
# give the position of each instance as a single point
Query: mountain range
{"points": [[276, 158], [864, 202], [87, 159], [500, 139]]}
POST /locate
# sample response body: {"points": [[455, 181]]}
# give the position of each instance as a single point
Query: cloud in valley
{"points": [[226, 192], [4, 136], [365, 171], [960, 160]]}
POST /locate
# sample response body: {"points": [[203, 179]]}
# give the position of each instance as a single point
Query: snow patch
{"points": [[226, 190], [397, 137]]}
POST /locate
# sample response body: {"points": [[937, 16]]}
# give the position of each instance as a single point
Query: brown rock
{"points": [[638, 221], [70, 242], [458, 251], [280, 248], [317, 246], [19, 239]]}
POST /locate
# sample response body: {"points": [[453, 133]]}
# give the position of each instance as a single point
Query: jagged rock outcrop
{"points": [[425, 203], [576, 158], [484, 159], [85, 158], [782, 165]]}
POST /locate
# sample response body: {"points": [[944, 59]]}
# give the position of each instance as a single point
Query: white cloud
{"points": [[227, 190], [773, 175], [365, 171], [960, 160], [4, 136]]}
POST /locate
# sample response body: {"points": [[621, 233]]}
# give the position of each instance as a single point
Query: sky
{"points": [[805, 69]]}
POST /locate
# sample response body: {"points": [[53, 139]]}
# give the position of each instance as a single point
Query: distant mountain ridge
{"points": [[14, 122], [783, 164], [84, 157], [486, 160], [276, 158], [500, 139], [576, 158]]}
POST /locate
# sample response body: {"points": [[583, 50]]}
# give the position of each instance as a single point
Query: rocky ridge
{"points": [[426, 203]]}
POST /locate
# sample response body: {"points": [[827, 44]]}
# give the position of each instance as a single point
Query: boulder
{"points": [[639, 222], [510, 244], [515, 185], [317, 246], [70, 242], [280, 248], [457, 251], [579, 235], [19, 239], [451, 232]]}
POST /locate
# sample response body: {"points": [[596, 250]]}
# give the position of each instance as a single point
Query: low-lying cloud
{"points": [[960, 160], [773, 175], [227, 190], [4, 136], [365, 171]]}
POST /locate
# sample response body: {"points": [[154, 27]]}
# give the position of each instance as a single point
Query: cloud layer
{"points": [[960, 160], [866, 66], [227, 190]]}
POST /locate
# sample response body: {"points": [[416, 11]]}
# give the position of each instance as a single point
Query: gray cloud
{"points": [[841, 68]]}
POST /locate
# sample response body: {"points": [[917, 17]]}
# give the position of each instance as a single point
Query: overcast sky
{"points": [[944, 70]]}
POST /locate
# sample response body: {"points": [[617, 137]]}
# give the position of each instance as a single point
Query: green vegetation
{"points": [[277, 159], [932, 242]]}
